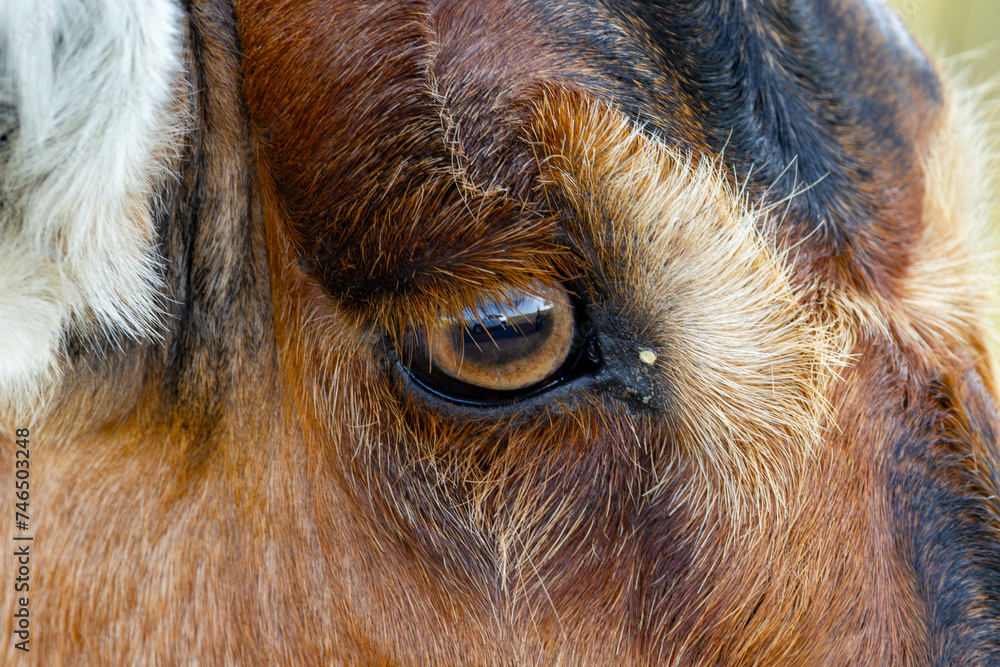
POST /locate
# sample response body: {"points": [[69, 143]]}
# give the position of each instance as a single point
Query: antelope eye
{"points": [[510, 343]]}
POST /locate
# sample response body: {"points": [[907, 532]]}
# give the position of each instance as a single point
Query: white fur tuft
{"points": [[87, 101]]}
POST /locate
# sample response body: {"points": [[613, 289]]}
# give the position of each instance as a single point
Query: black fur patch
{"points": [[943, 491]]}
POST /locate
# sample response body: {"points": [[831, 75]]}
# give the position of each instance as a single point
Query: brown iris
{"points": [[505, 344]]}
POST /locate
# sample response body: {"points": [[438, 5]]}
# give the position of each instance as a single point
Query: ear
{"points": [[88, 122]]}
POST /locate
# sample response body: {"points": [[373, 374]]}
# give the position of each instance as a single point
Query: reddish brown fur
{"points": [[264, 487]]}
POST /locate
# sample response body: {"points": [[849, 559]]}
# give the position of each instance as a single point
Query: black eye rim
{"points": [[584, 358]]}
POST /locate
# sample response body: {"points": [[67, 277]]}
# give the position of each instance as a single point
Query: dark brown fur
{"points": [[265, 486]]}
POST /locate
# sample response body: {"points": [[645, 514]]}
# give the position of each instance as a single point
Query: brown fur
{"points": [[810, 479]]}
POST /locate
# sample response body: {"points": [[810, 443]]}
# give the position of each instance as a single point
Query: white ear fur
{"points": [[87, 105]]}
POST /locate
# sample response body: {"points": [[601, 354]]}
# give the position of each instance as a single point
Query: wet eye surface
{"points": [[501, 350]]}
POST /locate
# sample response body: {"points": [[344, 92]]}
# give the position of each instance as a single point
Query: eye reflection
{"points": [[507, 344]]}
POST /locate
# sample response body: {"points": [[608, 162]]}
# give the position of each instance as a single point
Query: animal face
{"points": [[507, 332]]}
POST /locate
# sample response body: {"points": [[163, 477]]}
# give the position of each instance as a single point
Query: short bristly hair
{"points": [[238, 238]]}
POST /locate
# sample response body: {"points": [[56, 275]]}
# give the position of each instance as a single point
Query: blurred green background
{"points": [[957, 26]]}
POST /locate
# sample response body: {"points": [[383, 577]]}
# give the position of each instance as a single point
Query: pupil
{"points": [[502, 328], [513, 341], [497, 333]]}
